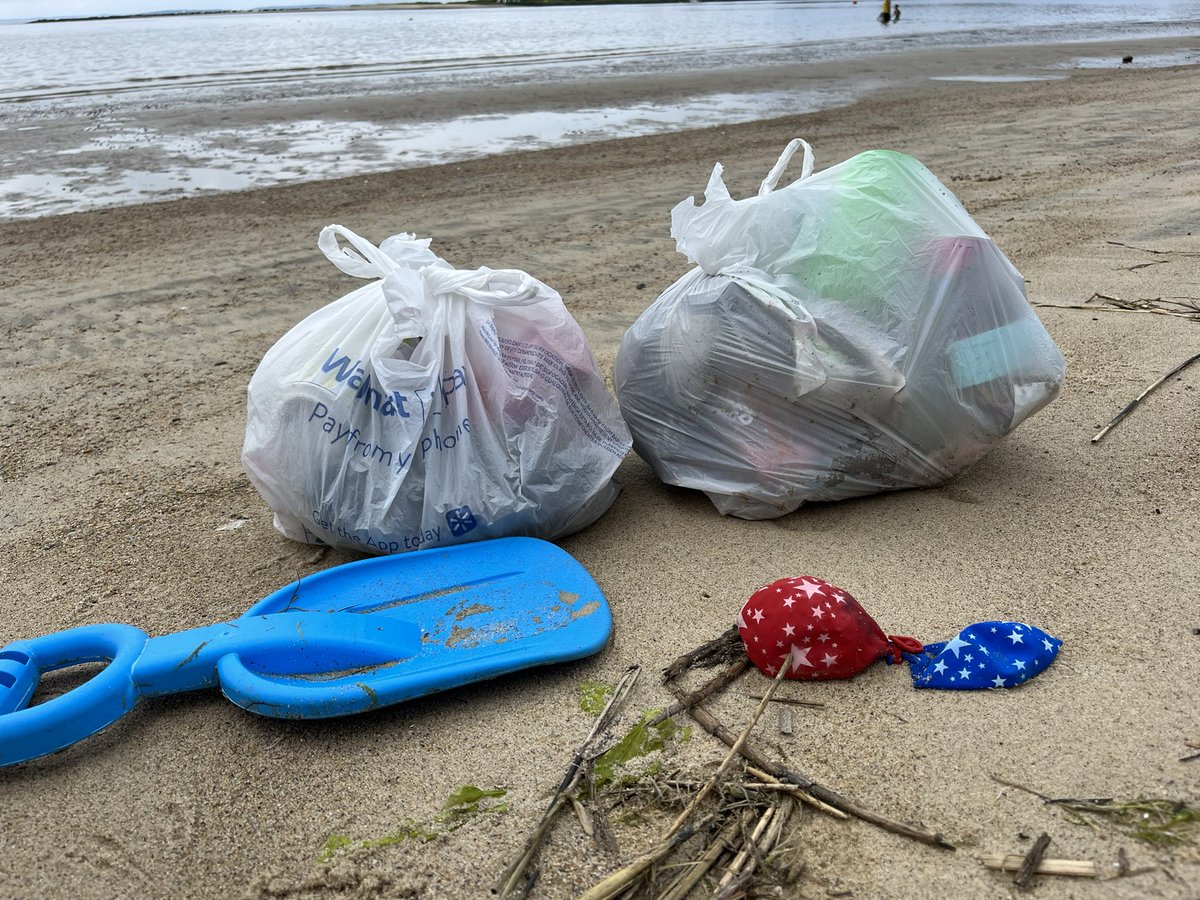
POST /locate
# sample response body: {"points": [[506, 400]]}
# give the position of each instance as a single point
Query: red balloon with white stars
{"points": [[822, 627]]}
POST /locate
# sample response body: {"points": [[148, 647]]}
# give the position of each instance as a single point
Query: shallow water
{"points": [[111, 112]]}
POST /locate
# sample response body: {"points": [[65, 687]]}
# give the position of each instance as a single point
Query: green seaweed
{"points": [[464, 804], [1166, 823], [333, 844], [642, 740], [594, 696]]}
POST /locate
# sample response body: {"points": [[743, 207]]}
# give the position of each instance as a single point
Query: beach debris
{"points": [[1159, 822], [818, 627], [464, 804], [732, 828], [821, 796], [1129, 407], [826, 634], [617, 883], [1181, 307], [1125, 60], [985, 655], [511, 880], [1077, 868], [1029, 865]]}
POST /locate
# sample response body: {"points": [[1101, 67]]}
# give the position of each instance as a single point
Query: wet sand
{"points": [[130, 334]]}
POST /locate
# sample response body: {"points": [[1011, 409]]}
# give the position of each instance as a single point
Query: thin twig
{"points": [[617, 883], [575, 772], [735, 867], [791, 701], [1140, 397], [734, 750], [692, 874], [1019, 787], [1152, 250]]}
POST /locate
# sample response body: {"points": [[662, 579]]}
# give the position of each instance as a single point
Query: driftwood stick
{"points": [[1032, 860], [724, 678], [725, 648], [709, 723], [1142, 396], [1078, 868], [512, 876], [774, 784]]}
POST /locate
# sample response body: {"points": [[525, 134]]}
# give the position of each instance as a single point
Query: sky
{"points": [[55, 9]]}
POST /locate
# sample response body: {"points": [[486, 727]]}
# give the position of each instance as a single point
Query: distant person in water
{"points": [[896, 13], [886, 15]]}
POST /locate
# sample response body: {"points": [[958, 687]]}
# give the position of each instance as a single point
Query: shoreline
{"points": [[133, 331], [359, 126]]}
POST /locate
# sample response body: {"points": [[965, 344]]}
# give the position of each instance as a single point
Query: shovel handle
{"points": [[27, 732]]}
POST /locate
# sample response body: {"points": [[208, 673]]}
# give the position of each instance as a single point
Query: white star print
{"points": [[1047, 644], [997, 681], [779, 643], [964, 674], [818, 612], [1019, 665], [956, 644], [810, 588], [823, 638], [829, 660], [993, 631], [757, 615], [1016, 638], [789, 630], [800, 657], [969, 657], [940, 667], [789, 601]]}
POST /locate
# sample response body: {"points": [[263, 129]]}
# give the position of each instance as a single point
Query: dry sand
{"points": [[129, 336]]}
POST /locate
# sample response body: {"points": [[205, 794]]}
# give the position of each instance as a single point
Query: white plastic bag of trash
{"points": [[853, 332], [431, 407]]}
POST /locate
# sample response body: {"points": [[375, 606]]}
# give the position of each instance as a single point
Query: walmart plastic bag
{"points": [[431, 407], [850, 333]]}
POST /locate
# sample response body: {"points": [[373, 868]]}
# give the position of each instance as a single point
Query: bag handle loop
{"points": [[368, 262], [806, 168], [490, 287]]}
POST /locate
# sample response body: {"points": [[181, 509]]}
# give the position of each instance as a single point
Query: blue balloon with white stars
{"points": [[984, 655]]}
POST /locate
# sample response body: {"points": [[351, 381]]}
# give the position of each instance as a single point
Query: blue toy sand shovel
{"points": [[349, 639]]}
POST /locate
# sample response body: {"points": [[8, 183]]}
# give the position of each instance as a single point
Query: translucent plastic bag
{"points": [[431, 407], [853, 332]]}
